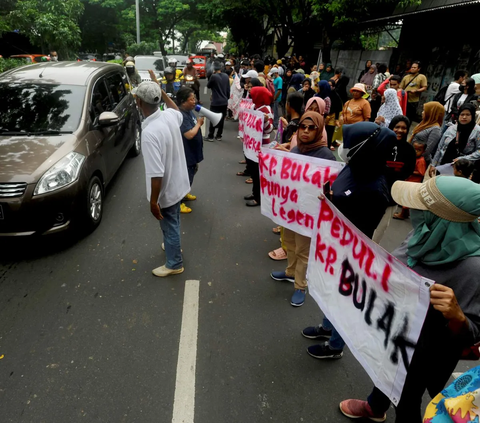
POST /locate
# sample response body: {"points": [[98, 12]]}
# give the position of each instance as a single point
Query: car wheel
{"points": [[137, 145], [94, 204]]}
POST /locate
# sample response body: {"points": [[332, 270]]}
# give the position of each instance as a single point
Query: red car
{"points": [[200, 64]]}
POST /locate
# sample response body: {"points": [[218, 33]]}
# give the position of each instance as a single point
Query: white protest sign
{"points": [[252, 129], [290, 186], [246, 103], [377, 304], [236, 92]]}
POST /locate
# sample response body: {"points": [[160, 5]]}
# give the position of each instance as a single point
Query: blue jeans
{"points": [[276, 116], [336, 342], [170, 225]]}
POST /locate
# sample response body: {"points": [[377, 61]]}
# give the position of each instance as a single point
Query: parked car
{"points": [[181, 60], [200, 64], [31, 58], [144, 63], [88, 57], [65, 129]]}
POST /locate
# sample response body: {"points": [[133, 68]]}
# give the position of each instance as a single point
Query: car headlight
{"points": [[61, 174]]}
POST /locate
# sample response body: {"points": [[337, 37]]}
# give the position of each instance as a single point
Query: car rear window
{"points": [[198, 60], [40, 107], [147, 63]]}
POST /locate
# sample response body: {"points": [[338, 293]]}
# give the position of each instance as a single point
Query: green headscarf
{"points": [[437, 241]]}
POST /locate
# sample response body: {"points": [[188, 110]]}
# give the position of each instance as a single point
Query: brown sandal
{"points": [[278, 254], [277, 230], [249, 181]]}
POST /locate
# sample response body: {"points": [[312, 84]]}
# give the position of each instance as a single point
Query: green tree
{"points": [[49, 24]]}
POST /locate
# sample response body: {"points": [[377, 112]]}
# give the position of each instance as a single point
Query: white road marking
{"points": [[205, 90], [184, 400]]}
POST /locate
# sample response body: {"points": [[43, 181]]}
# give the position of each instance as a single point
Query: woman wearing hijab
{"points": [[368, 78], [285, 86], [466, 95], [332, 121], [429, 131], [316, 104], [262, 98], [307, 90], [367, 149], [459, 140], [296, 83], [389, 109], [368, 63], [310, 142], [329, 72], [445, 247]]}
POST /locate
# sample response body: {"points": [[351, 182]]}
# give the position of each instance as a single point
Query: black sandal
{"points": [[242, 174]]}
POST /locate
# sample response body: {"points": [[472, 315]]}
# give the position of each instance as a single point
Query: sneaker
{"points": [[298, 298], [190, 197], [282, 276], [324, 351], [185, 209], [218, 138], [356, 409], [164, 271], [209, 139], [316, 332]]}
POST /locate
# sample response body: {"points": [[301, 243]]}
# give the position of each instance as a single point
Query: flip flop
{"points": [[242, 162], [276, 230], [249, 181], [242, 174], [278, 254], [398, 216]]}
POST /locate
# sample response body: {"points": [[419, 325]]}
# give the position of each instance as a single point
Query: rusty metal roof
{"points": [[425, 7]]}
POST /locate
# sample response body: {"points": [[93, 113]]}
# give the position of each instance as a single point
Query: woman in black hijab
{"points": [[459, 140]]}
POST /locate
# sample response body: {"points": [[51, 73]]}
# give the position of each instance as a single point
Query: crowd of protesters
{"points": [[369, 129]]}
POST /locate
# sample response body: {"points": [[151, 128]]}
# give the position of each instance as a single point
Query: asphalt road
{"points": [[88, 334]]}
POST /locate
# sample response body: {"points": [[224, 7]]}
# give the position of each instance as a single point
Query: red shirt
{"points": [[401, 95]]}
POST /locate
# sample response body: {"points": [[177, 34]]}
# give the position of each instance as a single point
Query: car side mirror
{"points": [[108, 119]]}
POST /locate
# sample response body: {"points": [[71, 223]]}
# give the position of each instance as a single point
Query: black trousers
{"points": [[223, 111], [254, 172], [412, 111], [330, 131]]}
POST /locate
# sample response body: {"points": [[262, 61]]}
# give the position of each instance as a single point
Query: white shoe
{"points": [[163, 271], [163, 247]]}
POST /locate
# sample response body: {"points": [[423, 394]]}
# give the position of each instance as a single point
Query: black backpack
{"points": [[440, 96]]}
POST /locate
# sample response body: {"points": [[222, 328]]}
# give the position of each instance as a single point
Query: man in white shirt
{"points": [[165, 169], [454, 88]]}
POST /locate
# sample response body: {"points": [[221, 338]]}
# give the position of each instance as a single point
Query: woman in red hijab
{"points": [[262, 98]]}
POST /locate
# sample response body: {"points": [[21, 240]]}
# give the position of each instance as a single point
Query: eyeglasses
{"points": [[309, 127]]}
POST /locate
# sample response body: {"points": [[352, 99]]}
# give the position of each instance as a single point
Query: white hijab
{"points": [[391, 107]]}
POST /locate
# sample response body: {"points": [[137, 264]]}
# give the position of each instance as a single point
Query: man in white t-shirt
{"points": [[165, 169], [454, 88]]}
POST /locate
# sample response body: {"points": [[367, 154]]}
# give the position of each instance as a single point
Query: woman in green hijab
{"points": [[444, 246]]}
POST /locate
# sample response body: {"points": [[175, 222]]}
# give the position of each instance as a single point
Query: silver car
{"points": [[145, 63]]}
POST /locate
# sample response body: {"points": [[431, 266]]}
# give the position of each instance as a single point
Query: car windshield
{"points": [[40, 107], [198, 60], [147, 63]]}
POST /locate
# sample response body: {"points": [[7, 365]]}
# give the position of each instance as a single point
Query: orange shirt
{"points": [[421, 168], [356, 111]]}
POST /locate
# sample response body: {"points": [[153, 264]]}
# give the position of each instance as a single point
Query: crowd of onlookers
{"points": [[429, 171]]}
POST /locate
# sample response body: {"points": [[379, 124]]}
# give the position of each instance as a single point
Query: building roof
{"points": [[426, 6]]}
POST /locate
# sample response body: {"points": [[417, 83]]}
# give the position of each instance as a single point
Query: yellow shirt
{"points": [[413, 82]]}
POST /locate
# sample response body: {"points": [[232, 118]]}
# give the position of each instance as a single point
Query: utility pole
{"points": [[137, 12]]}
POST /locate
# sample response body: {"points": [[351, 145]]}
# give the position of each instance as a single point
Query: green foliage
{"points": [[142, 48], [7, 64], [49, 24]]}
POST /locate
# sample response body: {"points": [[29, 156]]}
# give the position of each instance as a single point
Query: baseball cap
{"points": [[149, 92], [449, 197], [228, 64], [250, 74], [300, 70], [273, 70]]}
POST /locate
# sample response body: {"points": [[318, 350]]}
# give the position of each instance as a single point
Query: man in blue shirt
{"points": [[278, 85], [192, 138]]}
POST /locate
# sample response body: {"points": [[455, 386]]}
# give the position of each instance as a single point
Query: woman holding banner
{"points": [[311, 141], [445, 247], [262, 98]]}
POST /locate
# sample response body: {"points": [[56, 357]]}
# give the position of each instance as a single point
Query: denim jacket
{"points": [[471, 150]]}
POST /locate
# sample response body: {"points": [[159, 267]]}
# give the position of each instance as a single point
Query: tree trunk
{"points": [[326, 45]]}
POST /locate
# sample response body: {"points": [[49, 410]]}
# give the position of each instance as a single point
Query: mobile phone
{"points": [[326, 190]]}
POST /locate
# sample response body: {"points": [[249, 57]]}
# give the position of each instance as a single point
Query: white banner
{"points": [[245, 103], [236, 92], [251, 126], [377, 304], [290, 186]]}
